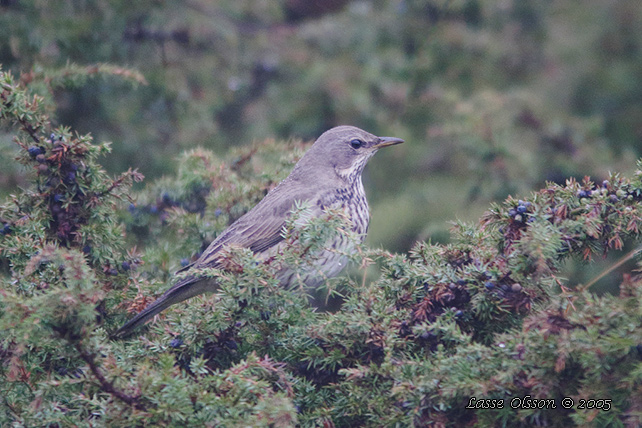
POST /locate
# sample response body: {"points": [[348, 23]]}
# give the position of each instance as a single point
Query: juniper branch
{"points": [[105, 385]]}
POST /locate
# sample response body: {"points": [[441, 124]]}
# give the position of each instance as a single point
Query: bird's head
{"points": [[343, 150]]}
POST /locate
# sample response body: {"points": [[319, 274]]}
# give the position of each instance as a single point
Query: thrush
{"points": [[328, 176]]}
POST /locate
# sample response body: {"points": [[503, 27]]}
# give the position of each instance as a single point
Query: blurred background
{"points": [[493, 97]]}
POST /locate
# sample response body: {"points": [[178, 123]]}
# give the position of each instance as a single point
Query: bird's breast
{"points": [[331, 260], [352, 201]]}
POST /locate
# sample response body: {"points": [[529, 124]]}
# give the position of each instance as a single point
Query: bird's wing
{"points": [[258, 230]]}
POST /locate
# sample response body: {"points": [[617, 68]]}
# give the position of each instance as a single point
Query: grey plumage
{"points": [[327, 176]]}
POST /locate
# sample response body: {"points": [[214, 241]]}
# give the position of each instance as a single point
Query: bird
{"points": [[328, 176]]}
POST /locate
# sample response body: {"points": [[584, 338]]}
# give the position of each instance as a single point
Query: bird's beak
{"points": [[387, 141]]}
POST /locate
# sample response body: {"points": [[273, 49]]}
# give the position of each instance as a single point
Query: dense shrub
{"points": [[441, 327]]}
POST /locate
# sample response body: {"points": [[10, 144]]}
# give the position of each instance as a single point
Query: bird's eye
{"points": [[356, 143]]}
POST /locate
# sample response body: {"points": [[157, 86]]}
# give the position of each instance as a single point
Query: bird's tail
{"points": [[183, 290]]}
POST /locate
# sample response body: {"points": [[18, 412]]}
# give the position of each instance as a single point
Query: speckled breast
{"points": [[332, 260]]}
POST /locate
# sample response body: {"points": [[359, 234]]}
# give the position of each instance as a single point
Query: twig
{"points": [[25, 124], [611, 268], [29, 130], [105, 385], [133, 174]]}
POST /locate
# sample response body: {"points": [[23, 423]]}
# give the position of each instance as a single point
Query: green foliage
{"points": [[486, 316]]}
